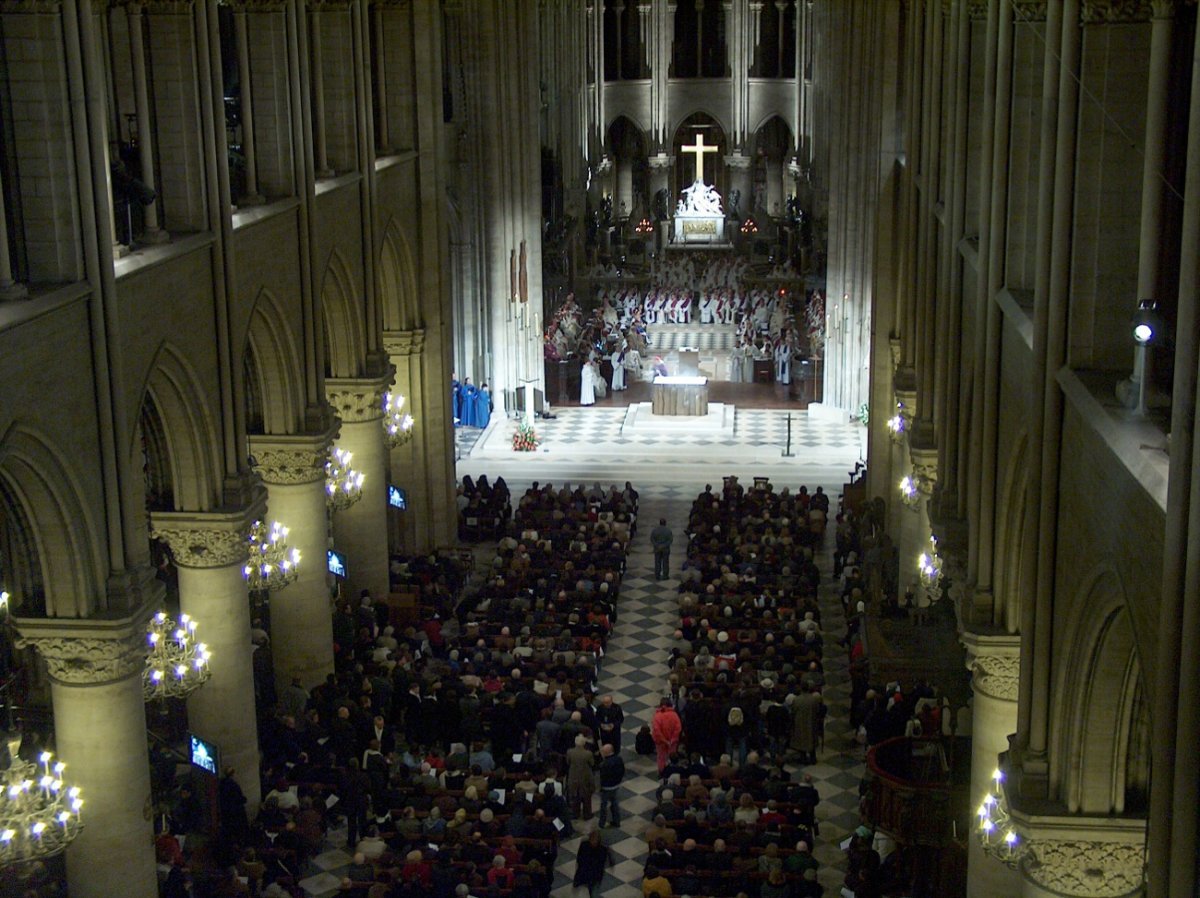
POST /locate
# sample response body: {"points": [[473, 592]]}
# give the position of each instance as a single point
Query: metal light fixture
{"points": [[910, 491], [176, 665], [271, 565], [39, 812], [929, 567], [897, 424], [343, 484], [397, 423], [997, 834]]}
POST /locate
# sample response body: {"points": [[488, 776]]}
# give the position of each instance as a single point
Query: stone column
{"points": [[95, 670], [741, 173], [321, 155], [1100, 857], [361, 529], [699, 38], [145, 138], [994, 667], [402, 460], [9, 288], [251, 197], [210, 552], [382, 134], [293, 468]]}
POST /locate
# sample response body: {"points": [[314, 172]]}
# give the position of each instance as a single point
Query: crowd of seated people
{"points": [[746, 671], [483, 508], [437, 744]]}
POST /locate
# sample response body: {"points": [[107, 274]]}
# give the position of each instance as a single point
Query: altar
{"points": [[699, 228], [679, 396]]}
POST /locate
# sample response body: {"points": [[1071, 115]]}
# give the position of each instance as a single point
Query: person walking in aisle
{"points": [[612, 771], [661, 538]]}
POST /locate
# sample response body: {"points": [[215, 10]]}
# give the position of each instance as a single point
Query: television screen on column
{"points": [[203, 754], [337, 563], [397, 498]]}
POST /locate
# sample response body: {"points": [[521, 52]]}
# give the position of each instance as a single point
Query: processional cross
{"points": [[698, 149]]}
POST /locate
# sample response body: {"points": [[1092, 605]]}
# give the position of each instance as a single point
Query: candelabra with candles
{"points": [[897, 424], [176, 665], [40, 815], [343, 484], [929, 566], [749, 227], [997, 833], [271, 565], [910, 491], [397, 423], [644, 227]]}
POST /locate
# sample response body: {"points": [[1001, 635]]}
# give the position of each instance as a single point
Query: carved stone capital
{"points": [[404, 343], [925, 468], [738, 162], [977, 12], [1162, 9], [168, 7], [997, 675], [292, 459], [1115, 12], [202, 540], [87, 652], [1026, 11], [356, 400], [1085, 868]]}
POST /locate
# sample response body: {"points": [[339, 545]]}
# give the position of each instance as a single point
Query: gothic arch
{"points": [[1016, 542], [63, 538], [397, 281], [629, 117], [274, 363], [1099, 687], [344, 340], [768, 119], [685, 118], [188, 429]]}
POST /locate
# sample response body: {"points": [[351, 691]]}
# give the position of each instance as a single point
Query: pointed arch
{"points": [[272, 362], [1098, 696], [397, 281], [188, 429], [344, 340], [42, 496]]}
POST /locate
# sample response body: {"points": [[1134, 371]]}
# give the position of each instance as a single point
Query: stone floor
{"points": [[634, 671]]}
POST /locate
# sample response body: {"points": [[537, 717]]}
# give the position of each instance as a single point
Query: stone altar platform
{"points": [[699, 228], [680, 396], [640, 421]]}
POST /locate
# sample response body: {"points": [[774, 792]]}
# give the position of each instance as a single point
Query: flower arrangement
{"points": [[525, 438]]}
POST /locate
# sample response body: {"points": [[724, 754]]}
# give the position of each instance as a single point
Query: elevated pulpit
{"points": [[677, 396]]}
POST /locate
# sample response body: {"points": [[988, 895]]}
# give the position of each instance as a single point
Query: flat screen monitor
{"points": [[397, 498], [203, 754], [337, 563]]}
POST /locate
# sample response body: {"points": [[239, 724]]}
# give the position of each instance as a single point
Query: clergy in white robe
{"points": [[618, 363], [587, 384]]}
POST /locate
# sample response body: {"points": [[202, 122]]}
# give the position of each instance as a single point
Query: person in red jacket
{"points": [[666, 728]]}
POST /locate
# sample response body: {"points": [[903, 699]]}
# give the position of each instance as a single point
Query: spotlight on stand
{"points": [[1146, 328]]}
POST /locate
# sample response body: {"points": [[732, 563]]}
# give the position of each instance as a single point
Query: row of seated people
{"points": [[483, 508], [544, 507]]}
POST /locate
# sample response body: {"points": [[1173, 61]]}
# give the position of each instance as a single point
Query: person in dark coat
{"points": [[231, 800], [590, 860]]}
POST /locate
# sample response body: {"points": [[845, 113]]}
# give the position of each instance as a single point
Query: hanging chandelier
{"points": [[397, 423], [997, 833], [343, 484], [39, 813], [176, 665], [271, 565]]}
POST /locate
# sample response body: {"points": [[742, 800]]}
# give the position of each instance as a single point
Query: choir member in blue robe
{"points": [[469, 392], [483, 406], [455, 399]]}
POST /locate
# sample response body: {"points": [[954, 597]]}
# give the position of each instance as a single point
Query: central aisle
{"points": [[635, 673]]}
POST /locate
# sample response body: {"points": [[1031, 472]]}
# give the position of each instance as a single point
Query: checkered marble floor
{"points": [[705, 337], [635, 673]]}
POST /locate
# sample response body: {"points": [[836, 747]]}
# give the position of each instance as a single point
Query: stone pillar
{"points": [[361, 530], [95, 670], [382, 133], [660, 177], [1100, 857], [210, 552], [293, 468], [321, 155], [413, 532], [994, 667], [9, 288], [774, 187], [251, 197], [741, 179], [145, 138]]}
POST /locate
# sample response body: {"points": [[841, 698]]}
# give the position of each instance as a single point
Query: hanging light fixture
{"points": [[343, 484], [39, 812], [176, 665], [397, 423], [997, 833], [271, 565]]}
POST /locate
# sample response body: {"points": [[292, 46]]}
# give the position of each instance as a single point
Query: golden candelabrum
{"points": [[271, 565], [176, 665], [397, 423], [343, 484]]}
